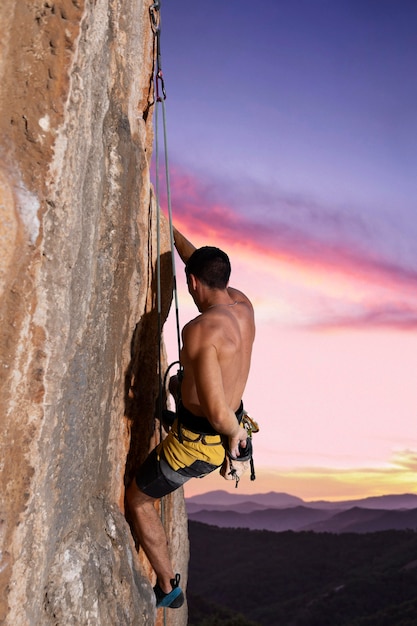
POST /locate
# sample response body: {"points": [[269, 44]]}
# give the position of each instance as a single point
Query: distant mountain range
{"points": [[281, 512]]}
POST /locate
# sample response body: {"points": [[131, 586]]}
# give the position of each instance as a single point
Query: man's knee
{"points": [[137, 498]]}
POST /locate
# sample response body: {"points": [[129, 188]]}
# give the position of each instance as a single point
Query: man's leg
{"points": [[151, 535]]}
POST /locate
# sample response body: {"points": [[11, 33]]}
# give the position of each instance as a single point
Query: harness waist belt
{"points": [[198, 424]]}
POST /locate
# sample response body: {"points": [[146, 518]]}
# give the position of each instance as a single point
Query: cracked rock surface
{"points": [[78, 332]]}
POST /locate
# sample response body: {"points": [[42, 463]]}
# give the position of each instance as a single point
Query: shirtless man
{"points": [[215, 358]]}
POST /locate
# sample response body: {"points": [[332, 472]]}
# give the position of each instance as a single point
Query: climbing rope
{"points": [[159, 88]]}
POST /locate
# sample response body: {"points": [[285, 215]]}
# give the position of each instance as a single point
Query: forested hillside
{"points": [[239, 577]]}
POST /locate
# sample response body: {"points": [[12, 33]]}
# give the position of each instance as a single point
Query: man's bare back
{"points": [[220, 338], [217, 347]]}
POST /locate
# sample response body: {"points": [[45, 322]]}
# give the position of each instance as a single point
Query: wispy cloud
{"points": [[375, 286], [397, 476], [406, 460], [282, 225], [313, 483], [402, 317]]}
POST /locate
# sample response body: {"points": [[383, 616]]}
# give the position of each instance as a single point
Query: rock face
{"points": [[79, 327]]}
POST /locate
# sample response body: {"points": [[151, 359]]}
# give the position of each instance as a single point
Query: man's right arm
{"points": [[184, 247], [202, 355]]}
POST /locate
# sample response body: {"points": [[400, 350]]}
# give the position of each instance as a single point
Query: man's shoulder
{"points": [[239, 296], [199, 337], [202, 330], [193, 326], [202, 321]]}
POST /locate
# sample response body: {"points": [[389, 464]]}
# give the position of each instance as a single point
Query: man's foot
{"points": [[174, 599]]}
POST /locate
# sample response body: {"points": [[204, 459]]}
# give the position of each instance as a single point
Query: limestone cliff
{"points": [[78, 332]]}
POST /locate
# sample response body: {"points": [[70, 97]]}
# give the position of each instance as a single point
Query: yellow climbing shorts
{"points": [[207, 448], [173, 462]]}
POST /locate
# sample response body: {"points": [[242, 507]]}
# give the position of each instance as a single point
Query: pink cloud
{"points": [[406, 460], [388, 288], [402, 317]]}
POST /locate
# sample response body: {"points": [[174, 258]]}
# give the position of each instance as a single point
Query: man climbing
{"points": [[215, 360]]}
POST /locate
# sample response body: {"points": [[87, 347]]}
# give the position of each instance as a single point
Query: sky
{"points": [[292, 145]]}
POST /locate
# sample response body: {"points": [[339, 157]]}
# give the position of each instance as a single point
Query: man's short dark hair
{"points": [[211, 266]]}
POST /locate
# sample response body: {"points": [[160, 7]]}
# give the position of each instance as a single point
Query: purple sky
{"points": [[312, 99]]}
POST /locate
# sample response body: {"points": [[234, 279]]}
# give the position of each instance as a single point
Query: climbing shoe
{"points": [[174, 599]]}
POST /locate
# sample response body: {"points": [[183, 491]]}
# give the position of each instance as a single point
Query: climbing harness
{"points": [[251, 427], [234, 467]]}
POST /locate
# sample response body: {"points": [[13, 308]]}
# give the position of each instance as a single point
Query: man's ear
{"points": [[193, 281]]}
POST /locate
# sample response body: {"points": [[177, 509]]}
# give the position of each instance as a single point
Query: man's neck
{"points": [[221, 304], [217, 298]]}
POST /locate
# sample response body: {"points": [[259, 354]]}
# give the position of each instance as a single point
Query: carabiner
{"points": [[153, 10], [159, 79]]}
